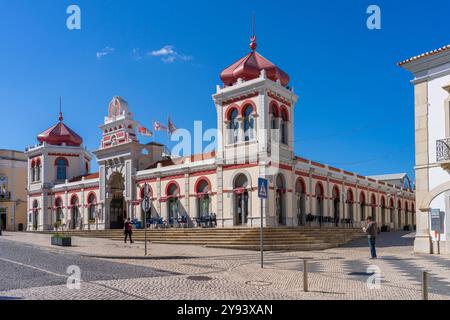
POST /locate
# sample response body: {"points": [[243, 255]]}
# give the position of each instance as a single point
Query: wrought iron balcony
{"points": [[443, 151]]}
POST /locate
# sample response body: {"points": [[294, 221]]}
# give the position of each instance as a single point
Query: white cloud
{"points": [[169, 55], [104, 52], [136, 54], [164, 51]]}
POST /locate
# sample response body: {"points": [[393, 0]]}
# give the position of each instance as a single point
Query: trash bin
{"points": [[20, 227]]}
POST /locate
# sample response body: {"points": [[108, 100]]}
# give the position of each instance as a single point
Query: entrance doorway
{"points": [[117, 211], [336, 206], [241, 199], [241, 213], [35, 215], [280, 200], [75, 218]]}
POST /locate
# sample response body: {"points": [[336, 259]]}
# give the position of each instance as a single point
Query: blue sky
{"points": [[355, 109]]}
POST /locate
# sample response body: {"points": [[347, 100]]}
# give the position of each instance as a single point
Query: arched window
{"points": [[284, 127], [33, 171], [58, 206], [61, 169], [39, 168], [374, 208], [336, 205], [203, 199], [319, 199], [241, 199], [350, 203], [249, 123], [35, 216], [383, 211], [300, 195], [362, 206], [75, 212], [92, 206], [280, 199], [406, 213], [233, 126], [274, 116], [391, 211], [173, 193]]}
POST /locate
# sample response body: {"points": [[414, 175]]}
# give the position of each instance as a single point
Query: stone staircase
{"points": [[275, 239]]}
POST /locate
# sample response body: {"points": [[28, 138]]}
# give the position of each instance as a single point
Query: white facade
{"points": [[432, 113]]}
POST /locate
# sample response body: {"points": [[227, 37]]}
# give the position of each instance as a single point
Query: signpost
{"points": [[146, 207], [263, 192], [436, 226]]}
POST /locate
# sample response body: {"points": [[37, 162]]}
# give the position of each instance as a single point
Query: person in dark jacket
{"points": [[128, 230], [372, 232]]}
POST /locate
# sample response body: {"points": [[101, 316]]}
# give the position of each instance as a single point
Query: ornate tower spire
{"points": [[253, 44], [60, 110]]}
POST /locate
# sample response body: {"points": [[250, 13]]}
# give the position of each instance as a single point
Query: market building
{"points": [[255, 121]]}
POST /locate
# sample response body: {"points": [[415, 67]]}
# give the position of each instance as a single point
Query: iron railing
{"points": [[443, 150]]}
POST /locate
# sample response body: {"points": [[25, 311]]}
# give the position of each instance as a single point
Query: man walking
{"points": [[128, 230], [372, 231]]}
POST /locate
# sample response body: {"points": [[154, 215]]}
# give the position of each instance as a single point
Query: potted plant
{"points": [[59, 239]]}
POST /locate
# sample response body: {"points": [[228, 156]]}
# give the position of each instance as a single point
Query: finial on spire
{"points": [[253, 44], [60, 110]]}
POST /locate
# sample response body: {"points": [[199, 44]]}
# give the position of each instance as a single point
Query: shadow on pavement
{"points": [[386, 239], [9, 298]]}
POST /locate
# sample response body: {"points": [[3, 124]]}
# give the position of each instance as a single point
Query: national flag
{"points": [[157, 126], [171, 126], [143, 131]]}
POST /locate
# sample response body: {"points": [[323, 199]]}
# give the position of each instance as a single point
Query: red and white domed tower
{"points": [[55, 162], [250, 67], [60, 135], [255, 109]]}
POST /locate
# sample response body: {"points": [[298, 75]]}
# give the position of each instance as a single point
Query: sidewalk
{"points": [[111, 249]]}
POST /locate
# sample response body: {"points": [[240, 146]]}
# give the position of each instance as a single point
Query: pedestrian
{"points": [[372, 231], [128, 230]]}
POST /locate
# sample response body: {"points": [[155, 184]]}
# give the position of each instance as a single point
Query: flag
{"points": [[171, 126], [157, 126], [143, 131]]}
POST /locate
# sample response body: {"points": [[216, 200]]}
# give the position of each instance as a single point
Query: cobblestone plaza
{"points": [[112, 270]]}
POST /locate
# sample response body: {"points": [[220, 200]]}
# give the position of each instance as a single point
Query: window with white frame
{"points": [[233, 127], [249, 123]]}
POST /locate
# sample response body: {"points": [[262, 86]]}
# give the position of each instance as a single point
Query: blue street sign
{"points": [[263, 188]]}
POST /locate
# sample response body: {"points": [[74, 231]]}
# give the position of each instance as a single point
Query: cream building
{"points": [[255, 122], [431, 82], [13, 194]]}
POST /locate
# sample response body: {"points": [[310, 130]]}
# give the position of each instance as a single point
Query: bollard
{"points": [[425, 285], [305, 275]]}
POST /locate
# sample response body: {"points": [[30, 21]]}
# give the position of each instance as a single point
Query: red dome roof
{"points": [[60, 134], [250, 66]]}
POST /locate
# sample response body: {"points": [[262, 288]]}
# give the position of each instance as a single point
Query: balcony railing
{"points": [[5, 196], [443, 150]]}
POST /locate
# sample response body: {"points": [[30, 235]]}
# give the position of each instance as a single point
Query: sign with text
{"points": [[436, 220]]}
